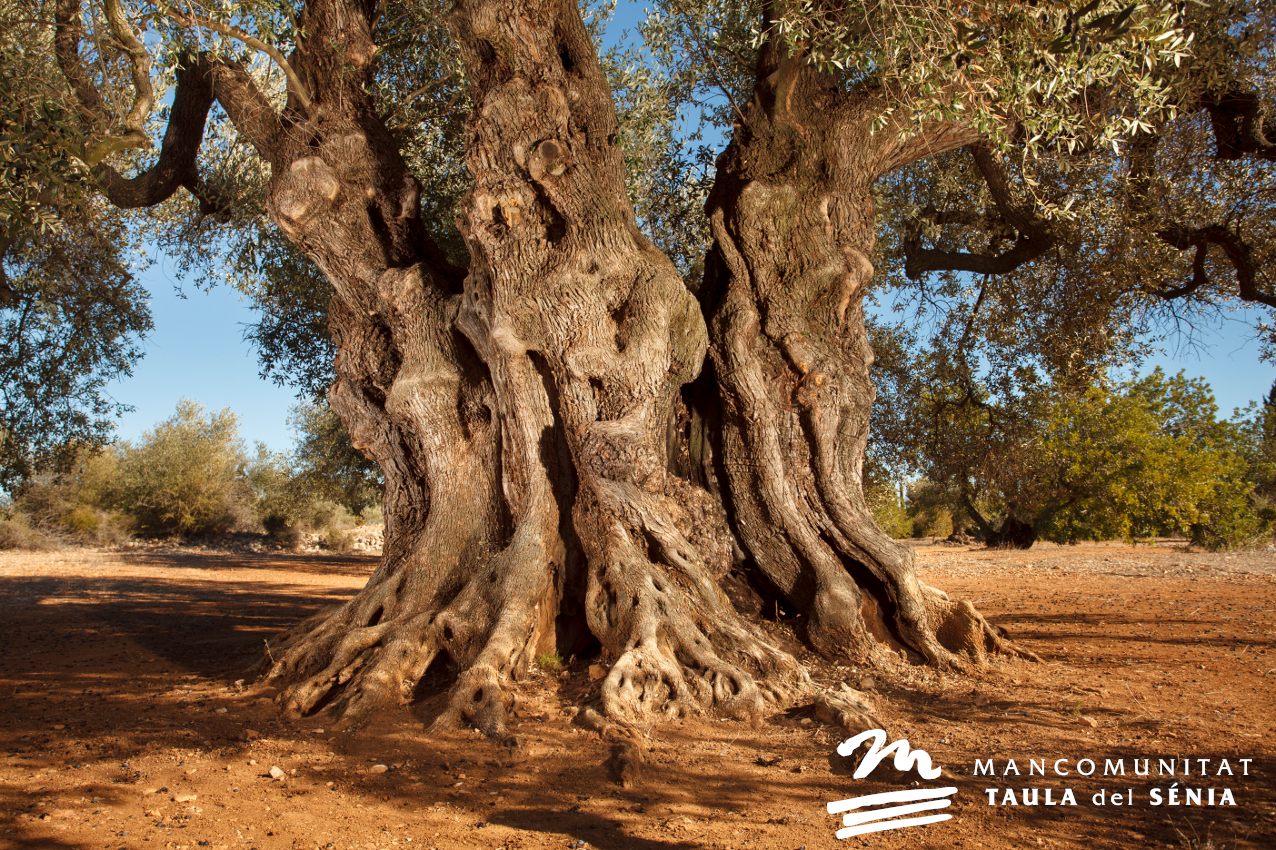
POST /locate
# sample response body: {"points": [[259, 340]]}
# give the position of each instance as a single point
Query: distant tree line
{"points": [[192, 476], [1131, 460]]}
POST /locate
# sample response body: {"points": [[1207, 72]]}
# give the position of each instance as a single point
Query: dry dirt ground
{"points": [[121, 724]]}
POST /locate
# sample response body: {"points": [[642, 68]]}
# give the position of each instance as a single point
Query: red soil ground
{"points": [[122, 725]]}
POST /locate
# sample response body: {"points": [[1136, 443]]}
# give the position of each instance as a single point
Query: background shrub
{"points": [[184, 475]]}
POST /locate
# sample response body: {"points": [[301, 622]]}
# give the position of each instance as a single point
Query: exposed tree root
{"points": [[372, 651], [628, 747], [679, 647], [848, 708]]}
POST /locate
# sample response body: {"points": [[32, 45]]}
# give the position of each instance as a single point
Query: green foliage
{"points": [[327, 466], [931, 508], [1147, 457], [291, 297], [71, 317], [277, 501], [190, 475], [1013, 70], [551, 662], [73, 327], [73, 505], [323, 485], [183, 476], [1243, 509], [38, 171], [1260, 445], [886, 503]]}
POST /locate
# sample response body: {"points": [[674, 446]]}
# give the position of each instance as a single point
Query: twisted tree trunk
{"points": [[522, 424], [792, 218], [522, 412], [589, 334]]}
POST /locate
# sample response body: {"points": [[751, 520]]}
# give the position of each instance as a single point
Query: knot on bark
{"points": [[506, 207], [401, 288], [350, 155], [309, 186], [615, 450], [550, 158], [815, 386]]}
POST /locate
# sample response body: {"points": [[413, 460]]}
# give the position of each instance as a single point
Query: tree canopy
{"points": [[1143, 458]]}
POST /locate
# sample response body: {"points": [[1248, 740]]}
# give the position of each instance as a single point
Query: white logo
{"points": [[876, 820]]}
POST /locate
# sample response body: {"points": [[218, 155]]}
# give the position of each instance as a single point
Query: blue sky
{"points": [[197, 351]]}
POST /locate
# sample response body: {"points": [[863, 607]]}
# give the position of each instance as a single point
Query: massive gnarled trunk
{"points": [[522, 423], [792, 218], [523, 411]]}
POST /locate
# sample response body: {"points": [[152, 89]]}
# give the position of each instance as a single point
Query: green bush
{"points": [[327, 466], [931, 507], [183, 476], [337, 540], [82, 520], [71, 507], [887, 511], [190, 475], [327, 516], [1233, 518]]}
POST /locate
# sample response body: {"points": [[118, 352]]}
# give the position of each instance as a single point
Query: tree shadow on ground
{"points": [[116, 687]]}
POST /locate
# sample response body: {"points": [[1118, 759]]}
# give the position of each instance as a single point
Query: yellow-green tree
{"points": [[184, 476], [1145, 457]]}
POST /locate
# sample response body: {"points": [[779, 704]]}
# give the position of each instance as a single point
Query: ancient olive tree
{"points": [[554, 478]]}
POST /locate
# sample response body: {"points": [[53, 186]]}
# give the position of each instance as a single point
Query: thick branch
{"points": [[250, 111], [1033, 240], [199, 81], [66, 47], [1234, 247], [177, 165], [1240, 126], [1181, 237], [140, 62], [984, 525]]}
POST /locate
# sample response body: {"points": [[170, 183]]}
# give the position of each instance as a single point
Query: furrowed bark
{"points": [[521, 415], [792, 218], [589, 333], [469, 569]]}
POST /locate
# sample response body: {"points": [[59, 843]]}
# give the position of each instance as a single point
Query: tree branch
{"points": [[1034, 236], [177, 164], [1181, 237], [295, 85], [1240, 125], [66, 47], [1234, 247], [140, 62], [200, 80]]}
